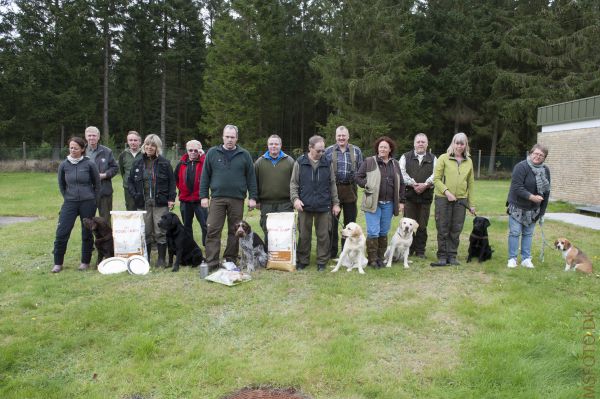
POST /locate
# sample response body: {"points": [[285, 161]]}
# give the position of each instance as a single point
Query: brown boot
{"points": [[382, 242], [372, 251]]}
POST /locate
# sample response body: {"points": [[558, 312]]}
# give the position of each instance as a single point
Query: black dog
{"points": [[103, 237], [252, 246], [180, 243], [479, 245]]}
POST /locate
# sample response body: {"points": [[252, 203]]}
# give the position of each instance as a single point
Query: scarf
{"points": [[74, 161], [543, 185]]}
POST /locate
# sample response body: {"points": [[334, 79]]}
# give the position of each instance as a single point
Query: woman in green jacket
{"points": [[454, 181]]}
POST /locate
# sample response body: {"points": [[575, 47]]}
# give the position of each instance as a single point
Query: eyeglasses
{"points": [[538, 154], [320, 151], [193, 150]]}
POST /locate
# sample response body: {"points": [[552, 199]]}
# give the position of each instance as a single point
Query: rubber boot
{"points": [[382, 247], [372, 244], [162, 253], [148, 251]]}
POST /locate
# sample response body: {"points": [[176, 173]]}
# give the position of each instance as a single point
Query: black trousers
{"points": [[449, 220], [420, 212], [188, 211], [350, 212], [66, 220]]}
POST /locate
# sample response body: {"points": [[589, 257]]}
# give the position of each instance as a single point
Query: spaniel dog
{"points": [[252, 246], [103, 238], [353, 253]]}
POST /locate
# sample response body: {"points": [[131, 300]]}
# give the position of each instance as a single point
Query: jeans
{"points": [[188, 211], [380, 221], [516, 230]]}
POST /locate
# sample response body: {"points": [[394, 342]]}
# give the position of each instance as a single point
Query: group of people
{"points": [[320, 185]]}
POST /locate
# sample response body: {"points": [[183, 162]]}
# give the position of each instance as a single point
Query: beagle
{"points": [[574, 257]]}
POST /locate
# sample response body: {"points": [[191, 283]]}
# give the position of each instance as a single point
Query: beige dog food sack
{"points": [[282, 241]]}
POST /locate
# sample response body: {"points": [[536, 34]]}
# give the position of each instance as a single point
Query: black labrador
{"points": [[479, 245], [180, 243], [103, 238]]}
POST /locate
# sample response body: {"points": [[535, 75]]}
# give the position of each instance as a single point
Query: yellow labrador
{"points": [[353, 253], [401, 241]]}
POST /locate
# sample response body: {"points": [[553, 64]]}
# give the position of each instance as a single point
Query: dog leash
{"points": [[544, 242]]}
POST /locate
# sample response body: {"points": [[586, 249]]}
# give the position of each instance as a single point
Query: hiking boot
{"points": [[320, 267], [440, 262], [453, 261]]}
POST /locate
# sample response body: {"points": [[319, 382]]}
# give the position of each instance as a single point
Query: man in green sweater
{"points": [[126, 159], [273, 173], [228, 173]]}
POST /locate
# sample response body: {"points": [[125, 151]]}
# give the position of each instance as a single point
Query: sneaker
{"points": [[512, 263], [527, 263]]}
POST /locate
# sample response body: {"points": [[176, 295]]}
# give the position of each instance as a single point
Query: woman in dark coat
{"points": [[527, 200], [152, 186], [79, 184]]}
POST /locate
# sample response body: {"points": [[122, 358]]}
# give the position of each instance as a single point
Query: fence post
{"points": [[24, 153], [479, 165]]}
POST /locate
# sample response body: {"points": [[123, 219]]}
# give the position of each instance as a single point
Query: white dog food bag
{"points": [[129, 233], [282, 241]]}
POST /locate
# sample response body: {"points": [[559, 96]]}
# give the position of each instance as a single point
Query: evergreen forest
{"points": [[185, 68]]}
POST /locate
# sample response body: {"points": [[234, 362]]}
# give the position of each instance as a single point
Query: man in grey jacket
{"points": [[107, 167]]}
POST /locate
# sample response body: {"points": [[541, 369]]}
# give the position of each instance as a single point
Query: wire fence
{"points": [[45, 158]]}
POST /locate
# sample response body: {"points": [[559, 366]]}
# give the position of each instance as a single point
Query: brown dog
{"points": [[103, 237], [574, 257]]}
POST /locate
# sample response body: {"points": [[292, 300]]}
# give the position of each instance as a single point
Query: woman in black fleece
{"points": [[79, 184]]}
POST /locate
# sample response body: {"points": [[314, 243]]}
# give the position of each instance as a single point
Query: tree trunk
{"points": [[105, 94], [163, 88], [492, 164]]}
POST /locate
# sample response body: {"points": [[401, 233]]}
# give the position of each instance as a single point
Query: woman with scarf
{"points": [[79, 184], [152, 187], [527, 200]]}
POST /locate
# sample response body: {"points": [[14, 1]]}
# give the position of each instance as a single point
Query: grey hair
{"points": [[92, 129], [541, 147], [421, 135], [234, 127], [134, 133], [154, 140], [342, 129], [459, 137], [314, 140], [194, 143]]}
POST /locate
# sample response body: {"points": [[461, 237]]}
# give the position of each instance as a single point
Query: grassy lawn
{"points": [[473, 331]]}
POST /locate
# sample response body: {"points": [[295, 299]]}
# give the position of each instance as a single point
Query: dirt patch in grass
{"points": [[6, 220]]}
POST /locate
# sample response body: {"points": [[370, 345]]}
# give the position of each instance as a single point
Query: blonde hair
{"points": [[153, 140], [459, 137], [193, 143]]}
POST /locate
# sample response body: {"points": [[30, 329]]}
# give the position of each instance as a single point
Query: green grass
{"points": [[474, 331]]}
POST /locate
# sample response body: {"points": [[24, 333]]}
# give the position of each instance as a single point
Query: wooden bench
{"points": [[595, 210]]}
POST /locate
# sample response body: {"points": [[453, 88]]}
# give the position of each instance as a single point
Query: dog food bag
{"points": [[282, 241], [129, 233]]}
